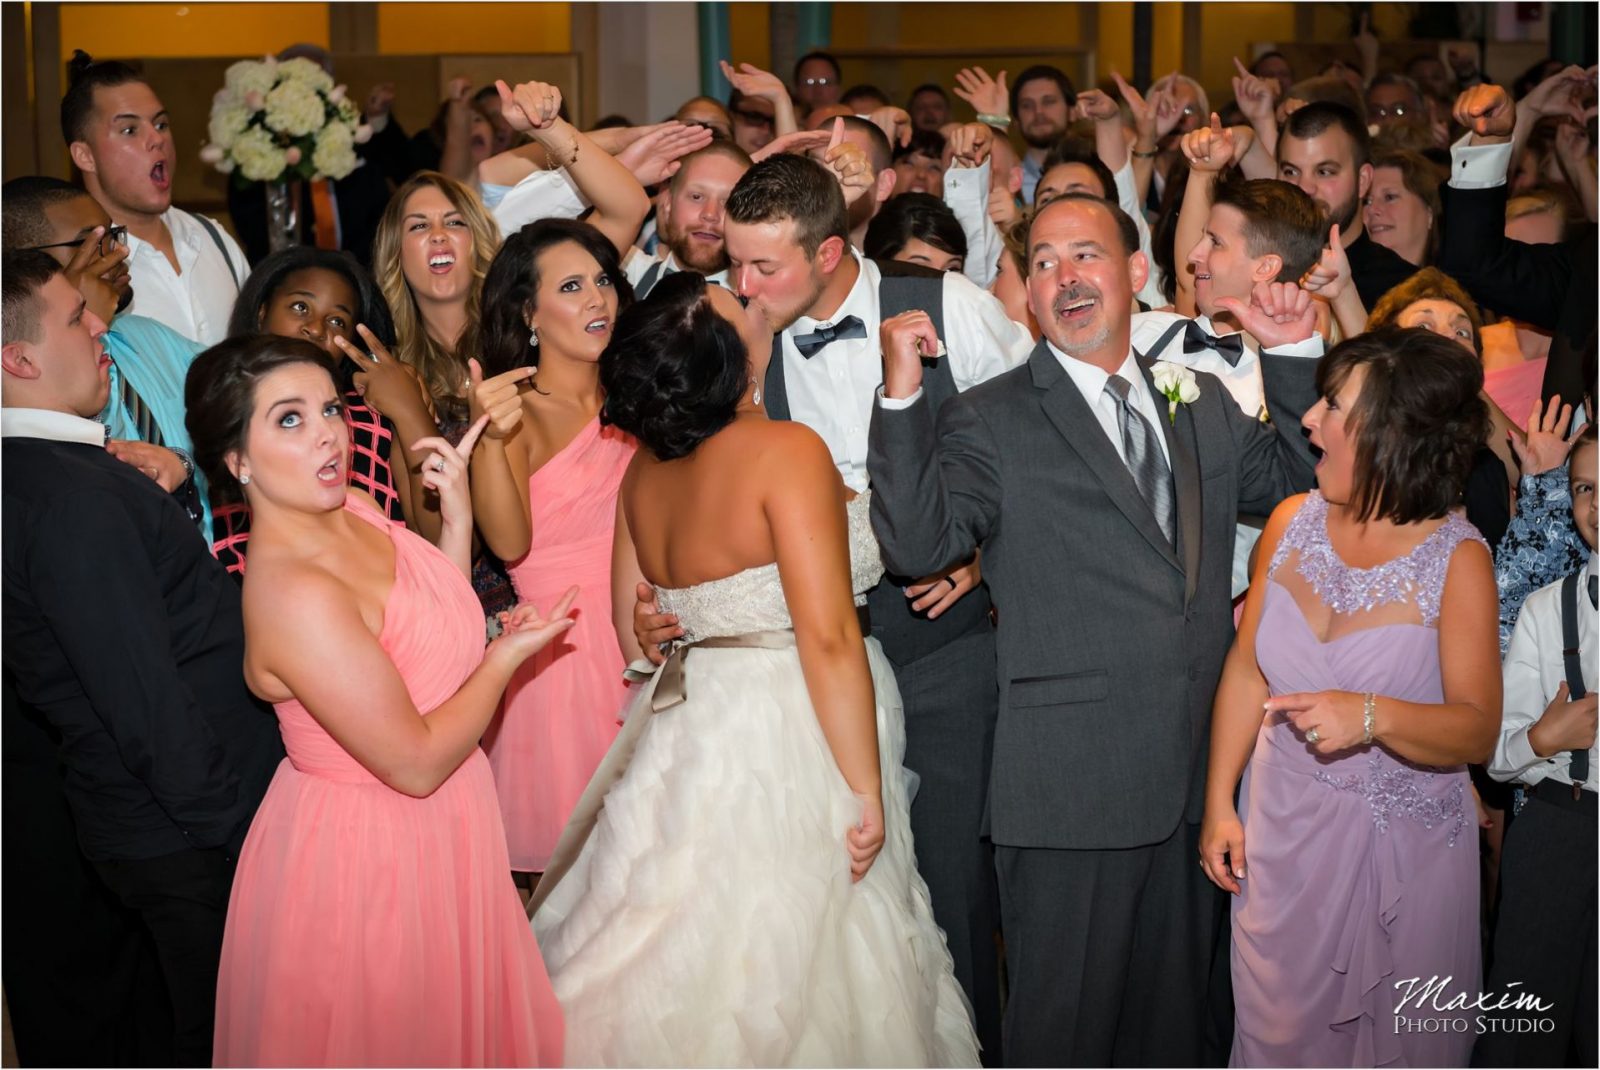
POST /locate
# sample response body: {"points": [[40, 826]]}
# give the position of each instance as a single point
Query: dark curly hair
{"points": [[675, 369], [1417, 424], [261, 287], [219, 397], [510, 288]]}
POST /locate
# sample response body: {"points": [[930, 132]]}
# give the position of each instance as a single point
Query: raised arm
{"points": [[1209, 150], [500, 469], [935, 496], [455, 159], [805, 508], [620, 203], [332, 663]]}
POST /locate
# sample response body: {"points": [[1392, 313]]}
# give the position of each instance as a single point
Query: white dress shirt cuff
{"points": [[1521, 763], [966, 194], [889, 404], [1306, 347], [1478, 166]]}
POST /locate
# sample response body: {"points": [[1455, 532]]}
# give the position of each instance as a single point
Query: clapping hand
{"points": [[1547, 442], [656, 156], [524, 632], [849, 164], [865, 840], [1329, 276], [531, 107], [988, 96], [444, 471], [1209, 149], [1279, 314]]}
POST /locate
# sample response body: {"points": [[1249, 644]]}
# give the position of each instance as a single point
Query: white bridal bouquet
{"points": [[274, 121]]}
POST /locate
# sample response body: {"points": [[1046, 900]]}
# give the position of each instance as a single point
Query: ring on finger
{"points": [[438, 464]]}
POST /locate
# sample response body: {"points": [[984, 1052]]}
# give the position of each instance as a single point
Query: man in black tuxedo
{"points": [[1106, 520], [124, 632]]}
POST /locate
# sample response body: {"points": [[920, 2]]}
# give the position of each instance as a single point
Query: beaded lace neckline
{"points": [[1345, 589]]}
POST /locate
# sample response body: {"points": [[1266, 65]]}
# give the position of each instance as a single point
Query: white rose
{"points": [[258, 156], [295, 108], [1165, 374], [251, 75], [1188, 390]]}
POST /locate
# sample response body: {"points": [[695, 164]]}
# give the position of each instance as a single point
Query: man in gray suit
{"points": [[1105, 515]]}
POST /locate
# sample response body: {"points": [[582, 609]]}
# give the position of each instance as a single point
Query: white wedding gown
{"points": [[710, 919]]}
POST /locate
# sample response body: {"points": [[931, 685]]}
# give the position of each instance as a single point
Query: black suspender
{"points": [[1579, 769]]}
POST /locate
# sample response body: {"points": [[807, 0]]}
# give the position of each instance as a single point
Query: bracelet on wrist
{"points": [[1138, 155], [1369, 716], [999, 122]]}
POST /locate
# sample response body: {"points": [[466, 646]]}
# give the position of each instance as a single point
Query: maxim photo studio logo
{"points": [[1434, 1006]]}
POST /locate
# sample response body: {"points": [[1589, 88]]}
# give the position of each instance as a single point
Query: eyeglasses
{"points": [[754, 118], [818, 81], [113, 237]]}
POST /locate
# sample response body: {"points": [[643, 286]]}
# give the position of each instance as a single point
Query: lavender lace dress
{"points": [[1362, 868]]}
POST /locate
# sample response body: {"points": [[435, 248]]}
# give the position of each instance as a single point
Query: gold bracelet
{"points": [[566, 158], [1369, 716]]}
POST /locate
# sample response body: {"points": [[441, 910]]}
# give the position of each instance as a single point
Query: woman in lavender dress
{"points": [[1369, 639]]}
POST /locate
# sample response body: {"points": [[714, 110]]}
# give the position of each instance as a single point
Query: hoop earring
{"points": [[755, 395]]}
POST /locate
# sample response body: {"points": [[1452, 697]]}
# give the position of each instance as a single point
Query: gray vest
{"points": [[906, 636]]}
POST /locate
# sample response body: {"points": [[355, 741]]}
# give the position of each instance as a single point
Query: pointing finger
{"points": [[838, 133], [470, 439]]}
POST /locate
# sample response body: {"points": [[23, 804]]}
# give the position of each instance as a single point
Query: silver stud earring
{"points": [[533, 335], [755, 395], [244, 480]]}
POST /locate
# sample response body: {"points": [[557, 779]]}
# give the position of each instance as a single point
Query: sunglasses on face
{"points": [[113, 237]]}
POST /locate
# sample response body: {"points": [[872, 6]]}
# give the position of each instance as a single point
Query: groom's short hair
{"points": [[1279, 217], [792, 187], [1125, 228]]}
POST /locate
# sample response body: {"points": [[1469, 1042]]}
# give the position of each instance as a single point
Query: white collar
{"points": [[52, 425], [860, 302], [1091, 380]]}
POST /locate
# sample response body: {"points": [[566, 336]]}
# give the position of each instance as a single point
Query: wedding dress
{"points": [[709, 918]]}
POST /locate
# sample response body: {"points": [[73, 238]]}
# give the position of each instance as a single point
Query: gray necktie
{"points": [[1146, 462]]}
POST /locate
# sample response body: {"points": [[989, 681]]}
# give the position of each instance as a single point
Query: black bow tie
{"points": [[811, 344], [1197, 339]]}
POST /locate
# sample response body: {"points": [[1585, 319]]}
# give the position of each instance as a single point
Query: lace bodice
{"points": [[1417, 578], [752, 600]]}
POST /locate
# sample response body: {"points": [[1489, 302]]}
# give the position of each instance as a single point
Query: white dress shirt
{"points": [[51, 425], [1242, 381], [1533, 669], [540, 195], [1091, 383], [832, 392], [966, 194], [1478, 166], [197, 300]]}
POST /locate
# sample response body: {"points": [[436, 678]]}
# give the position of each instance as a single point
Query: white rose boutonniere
{"points": [[1177, 383]]}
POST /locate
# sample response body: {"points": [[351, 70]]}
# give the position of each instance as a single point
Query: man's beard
{"points": [[1345, 214], [1045, 140], [1082, 346], [695, 255]]}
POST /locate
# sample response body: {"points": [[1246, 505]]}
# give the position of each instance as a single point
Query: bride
{"points": [[746, 893]]}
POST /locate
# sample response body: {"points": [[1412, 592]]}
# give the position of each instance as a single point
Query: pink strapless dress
{"points": [[370, 928], [561, 709]]}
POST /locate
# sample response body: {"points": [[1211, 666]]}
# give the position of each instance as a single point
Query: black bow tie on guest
{"points": [[1197, 339], [811, 344]]}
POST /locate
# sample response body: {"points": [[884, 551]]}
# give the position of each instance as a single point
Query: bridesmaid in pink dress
{"points": [[371, 922], [544, 491]]}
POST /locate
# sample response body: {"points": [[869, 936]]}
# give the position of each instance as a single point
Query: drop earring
{"points": [[533, 335], [755, 395]]}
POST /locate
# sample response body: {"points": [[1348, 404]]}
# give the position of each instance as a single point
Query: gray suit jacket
{"points": [[1110, 640]]}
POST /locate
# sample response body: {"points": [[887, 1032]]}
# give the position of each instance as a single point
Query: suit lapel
{"points": [[1066, 408], [1183, 448]]}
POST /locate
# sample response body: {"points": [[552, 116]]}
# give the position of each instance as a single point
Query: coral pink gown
{"points": [[370, 928], [561, 709]]}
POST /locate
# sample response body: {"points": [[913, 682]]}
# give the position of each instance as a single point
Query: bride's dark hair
{"points": [[675, 369]]}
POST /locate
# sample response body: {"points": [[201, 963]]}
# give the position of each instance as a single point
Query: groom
{"points": [[1106, 526]]}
